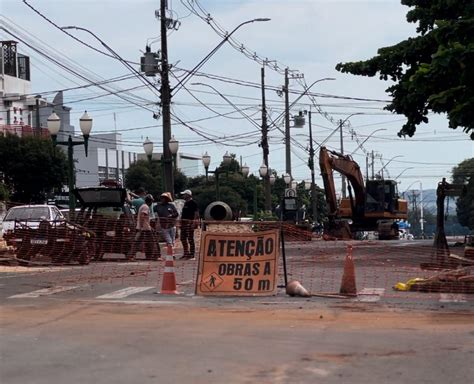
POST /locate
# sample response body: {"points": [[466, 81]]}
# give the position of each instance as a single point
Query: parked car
{"points": [[106, 213], [41, 231], [28, 216], [59, 241]]}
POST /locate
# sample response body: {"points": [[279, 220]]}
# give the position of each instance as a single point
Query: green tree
{"points": [[433, 71], [31, 168], [148, 175], [234, 189], [463, 173], [145, 175]]}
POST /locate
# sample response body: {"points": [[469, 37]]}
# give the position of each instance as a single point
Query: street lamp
{"points": [[263, 172], [206, 160], [148, 148], [406, 190], [173, 146], [287, 179], [226, 160], [54, 125], [341, 124], [422, 220], [298, 120], [314, 203], [393, 158], [245, 170], [367, 138], [339, 128], [210, 54], [402, 172], [272, 179]]}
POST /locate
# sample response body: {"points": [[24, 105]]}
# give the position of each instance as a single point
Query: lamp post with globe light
{"points": [[54, 125], [226, 160], [401, 173], [263, 171], [173, 146], [380, 172]]}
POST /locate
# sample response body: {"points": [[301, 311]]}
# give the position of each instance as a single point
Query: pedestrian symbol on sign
{"points": [[213, 281]]}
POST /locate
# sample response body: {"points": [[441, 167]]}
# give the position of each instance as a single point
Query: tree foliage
{"points": [[31, 168], [148, 175], [433, 71], [463, 173], [239, 192]]}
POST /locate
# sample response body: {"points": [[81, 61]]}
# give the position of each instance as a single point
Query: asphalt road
{"points": [[106, 323]]}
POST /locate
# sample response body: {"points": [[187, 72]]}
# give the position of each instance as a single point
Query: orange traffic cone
{"points": [[168, 287], [348, 283], [294, 288]]}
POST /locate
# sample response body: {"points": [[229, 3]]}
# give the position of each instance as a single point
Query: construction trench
{"points": [[408, 270]]}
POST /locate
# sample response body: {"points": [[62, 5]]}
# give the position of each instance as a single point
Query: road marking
{"points": [[45, 292], [12, 272], [318, 371], [405, 244], [144, 302], [125, 292], [452, 298], [370, 295]]}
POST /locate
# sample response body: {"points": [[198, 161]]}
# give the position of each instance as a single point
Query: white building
{"points": [[17, 103], [187, 163], [20, 110], [105, 160]]}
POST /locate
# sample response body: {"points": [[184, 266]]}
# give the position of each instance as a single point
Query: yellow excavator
{"points": [[371, 206]]}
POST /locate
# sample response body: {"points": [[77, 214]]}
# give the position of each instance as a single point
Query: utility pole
{"points": [[166, 102], [422, 225], [287, 125], [342, 153], [373, 156], [38, 124], [266, 179], [366, 167], [314, 197], [414, 205]]}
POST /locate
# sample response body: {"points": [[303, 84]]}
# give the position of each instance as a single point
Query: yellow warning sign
{"points": [[238, 264]]}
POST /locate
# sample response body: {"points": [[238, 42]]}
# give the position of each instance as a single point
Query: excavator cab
{"points": [[381, 196]]}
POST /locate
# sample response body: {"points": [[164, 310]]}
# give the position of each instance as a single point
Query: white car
{"points": [[30, 216]]}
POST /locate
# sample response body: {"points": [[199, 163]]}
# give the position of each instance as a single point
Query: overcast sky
{"points": [[309, 37]]}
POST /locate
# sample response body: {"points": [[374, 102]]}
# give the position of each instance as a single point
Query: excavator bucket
{"points": [[337, 230]]}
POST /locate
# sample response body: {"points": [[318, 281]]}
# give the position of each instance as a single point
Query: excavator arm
{"points": [[345, 165]]}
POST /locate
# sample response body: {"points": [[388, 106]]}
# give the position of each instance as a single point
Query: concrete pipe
{"points": [[218, 211]]}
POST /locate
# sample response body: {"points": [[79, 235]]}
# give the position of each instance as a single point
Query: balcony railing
{"points": [[21, 130]]}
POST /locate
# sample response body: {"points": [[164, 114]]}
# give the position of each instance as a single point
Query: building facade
{"points": [[186, 163], [18, 106], [23, 113], [105, 160]]}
